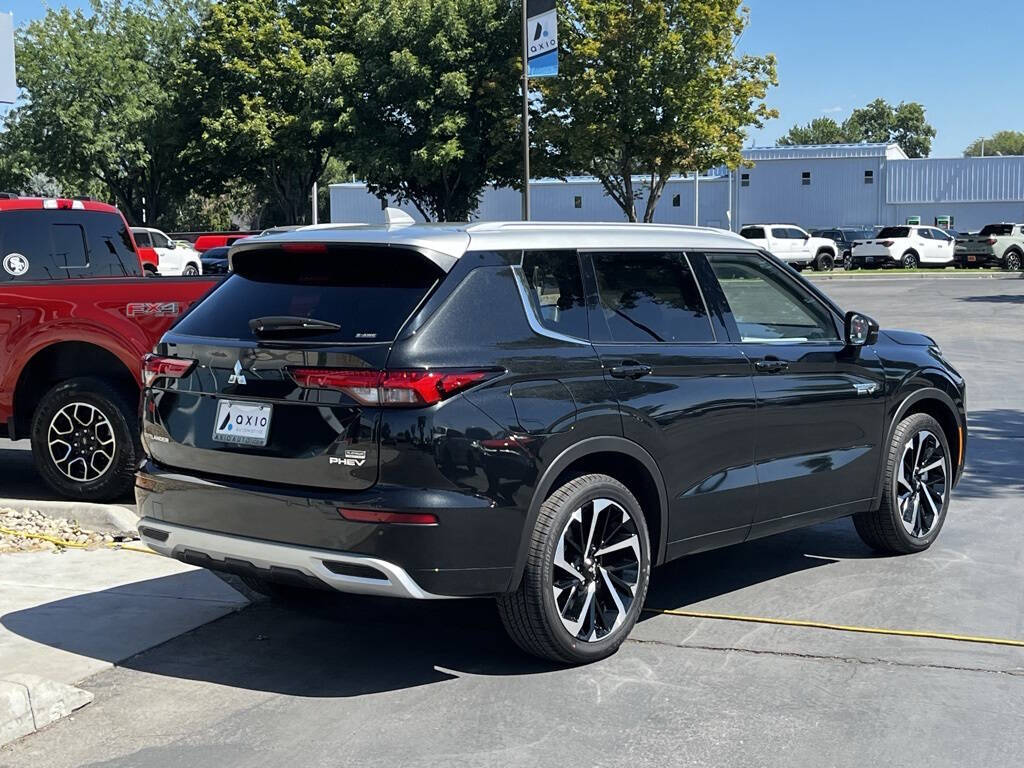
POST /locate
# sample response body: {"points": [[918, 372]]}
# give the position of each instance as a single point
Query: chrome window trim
{"points": [[535, 324]]}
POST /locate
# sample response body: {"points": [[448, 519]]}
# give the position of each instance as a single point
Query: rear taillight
{"points": [[155, 367], [886, 243], [382, 516], [390, 388], [991, 241]]}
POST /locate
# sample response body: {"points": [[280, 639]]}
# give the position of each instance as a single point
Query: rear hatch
{"points": [[883, 244], [276, 376]]}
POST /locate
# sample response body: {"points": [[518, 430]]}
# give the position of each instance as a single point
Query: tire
{"points": [[532, 615], [150, 271], [1011, 261], [190, 270], [824, 262], [102, 427], [886, 528], [909, 260]]}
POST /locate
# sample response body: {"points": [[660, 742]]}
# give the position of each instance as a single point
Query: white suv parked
{"points": [[173, 259], [905, 246], [793, 245]]}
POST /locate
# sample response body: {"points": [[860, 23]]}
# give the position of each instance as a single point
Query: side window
{"points": [[766, 304], [753, 233], [650, 296], [796, 234], [160, 241], [780, 233], [142, 238], [555, 288], [111, 253], [925, 233]]}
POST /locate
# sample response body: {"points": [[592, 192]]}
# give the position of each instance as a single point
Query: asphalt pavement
{"points": [[347, 681]]}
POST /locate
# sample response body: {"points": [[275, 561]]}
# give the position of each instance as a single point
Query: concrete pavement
{"points": [[345, 681]]}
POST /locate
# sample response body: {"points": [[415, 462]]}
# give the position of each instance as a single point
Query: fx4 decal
{"points": [[153, 309]]}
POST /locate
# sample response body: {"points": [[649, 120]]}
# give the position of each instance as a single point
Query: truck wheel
{"points": [[824, 262], [85, 440], [190, 270], [909, 260], [586, 573], [915, 490], [1011, 262]]}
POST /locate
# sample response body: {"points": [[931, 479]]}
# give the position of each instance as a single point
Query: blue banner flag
{"points": [[541, 38]]}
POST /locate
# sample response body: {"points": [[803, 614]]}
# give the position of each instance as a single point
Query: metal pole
{"points": [[526, 122], [316, 214], [983, 146], [696, 198], [728, 212]]}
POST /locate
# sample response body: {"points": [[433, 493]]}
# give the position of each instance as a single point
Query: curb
{"points": [[103, 518], [29, 703], [894, 274]]}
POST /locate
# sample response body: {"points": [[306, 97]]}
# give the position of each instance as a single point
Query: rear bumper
{"points": [[343, 571], [978, 260], [238, 527], [872, 260]]}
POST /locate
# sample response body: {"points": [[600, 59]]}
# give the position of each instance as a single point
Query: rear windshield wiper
{"points": [[263, 326]]}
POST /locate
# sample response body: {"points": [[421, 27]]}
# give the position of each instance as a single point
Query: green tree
{"points": [[436, 117], [650, 88], [271, 101], [999, 143], [821, 130], [903, 124], [97, 107]]}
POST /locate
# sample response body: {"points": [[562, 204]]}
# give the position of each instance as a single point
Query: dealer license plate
{"points": [[242, 423]]}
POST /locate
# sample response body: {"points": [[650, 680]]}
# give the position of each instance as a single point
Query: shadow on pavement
{"points": [[995, 443], [20, 480], [1002, 298], [338, 645]]}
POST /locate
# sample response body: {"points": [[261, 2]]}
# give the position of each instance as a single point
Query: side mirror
{"points": [[859, 329]]}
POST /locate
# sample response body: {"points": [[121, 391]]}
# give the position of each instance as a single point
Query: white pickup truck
{"points": [[793, 245]]}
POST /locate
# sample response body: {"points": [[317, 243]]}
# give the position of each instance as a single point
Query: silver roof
{"points": [[454, 239]]}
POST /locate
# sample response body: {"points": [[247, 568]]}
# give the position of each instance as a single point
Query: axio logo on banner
{"points": [[541, 38]]}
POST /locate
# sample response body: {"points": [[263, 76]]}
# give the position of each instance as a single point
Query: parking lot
{"points": [[372, 682]]}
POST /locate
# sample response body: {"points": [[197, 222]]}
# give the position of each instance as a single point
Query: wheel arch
{"points": [[940, 406], [617, 457], [61, 361]]}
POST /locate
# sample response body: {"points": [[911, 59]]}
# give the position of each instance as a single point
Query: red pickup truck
{"points": [[76, 317]]}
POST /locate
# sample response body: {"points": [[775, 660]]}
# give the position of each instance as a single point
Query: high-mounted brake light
{"points": [[304, 247], [379, 516], [390, 388], [155, 367]]}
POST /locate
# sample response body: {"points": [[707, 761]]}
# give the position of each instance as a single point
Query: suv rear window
{"points": [[888, 232], [1000, 230], [56, 245], [369, 292]]}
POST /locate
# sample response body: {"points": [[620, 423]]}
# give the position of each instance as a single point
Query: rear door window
{"points": [[753, 233], [650, 297], [780, 233], [556, 291], [369, 292], [887, 233]]}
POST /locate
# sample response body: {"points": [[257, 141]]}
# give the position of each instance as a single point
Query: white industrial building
{"points": [[813, 186]]}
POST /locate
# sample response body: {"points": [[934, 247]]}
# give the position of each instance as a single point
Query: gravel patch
{"points": [[30, 521]]}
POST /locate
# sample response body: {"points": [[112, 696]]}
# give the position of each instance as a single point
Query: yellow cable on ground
{"points": [[77, 544], [842, 627]]}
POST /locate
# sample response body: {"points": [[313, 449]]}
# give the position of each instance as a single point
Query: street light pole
{"points": [[526, 121]]}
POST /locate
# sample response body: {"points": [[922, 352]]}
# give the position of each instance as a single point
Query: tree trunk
{"points": [[659, 179]]}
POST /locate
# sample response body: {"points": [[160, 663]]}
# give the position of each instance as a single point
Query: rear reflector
{"points": [[377, 516], [155, 367], [390, 388]]}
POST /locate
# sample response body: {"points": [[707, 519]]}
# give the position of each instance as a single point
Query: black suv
{"points": [[844, 238], [537, 412]]}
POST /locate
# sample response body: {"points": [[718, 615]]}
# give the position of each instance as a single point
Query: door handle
{"points": [[771, 365], [630, 369]]}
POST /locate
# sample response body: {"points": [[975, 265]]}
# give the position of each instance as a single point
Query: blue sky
{"points": [[961, 61]]}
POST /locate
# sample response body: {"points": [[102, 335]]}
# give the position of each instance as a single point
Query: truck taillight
{"points": [[991, 241], [886, 243], [390, 388], [156, 367]]}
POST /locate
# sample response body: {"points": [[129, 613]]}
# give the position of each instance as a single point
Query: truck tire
{"points": [[586, 573], [190, 270], [916, 483], [85, 440], [909, 260], [1011, 261], [824, 262]]}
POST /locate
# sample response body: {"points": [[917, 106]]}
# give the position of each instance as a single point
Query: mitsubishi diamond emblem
{"points": [[237, 377]]}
